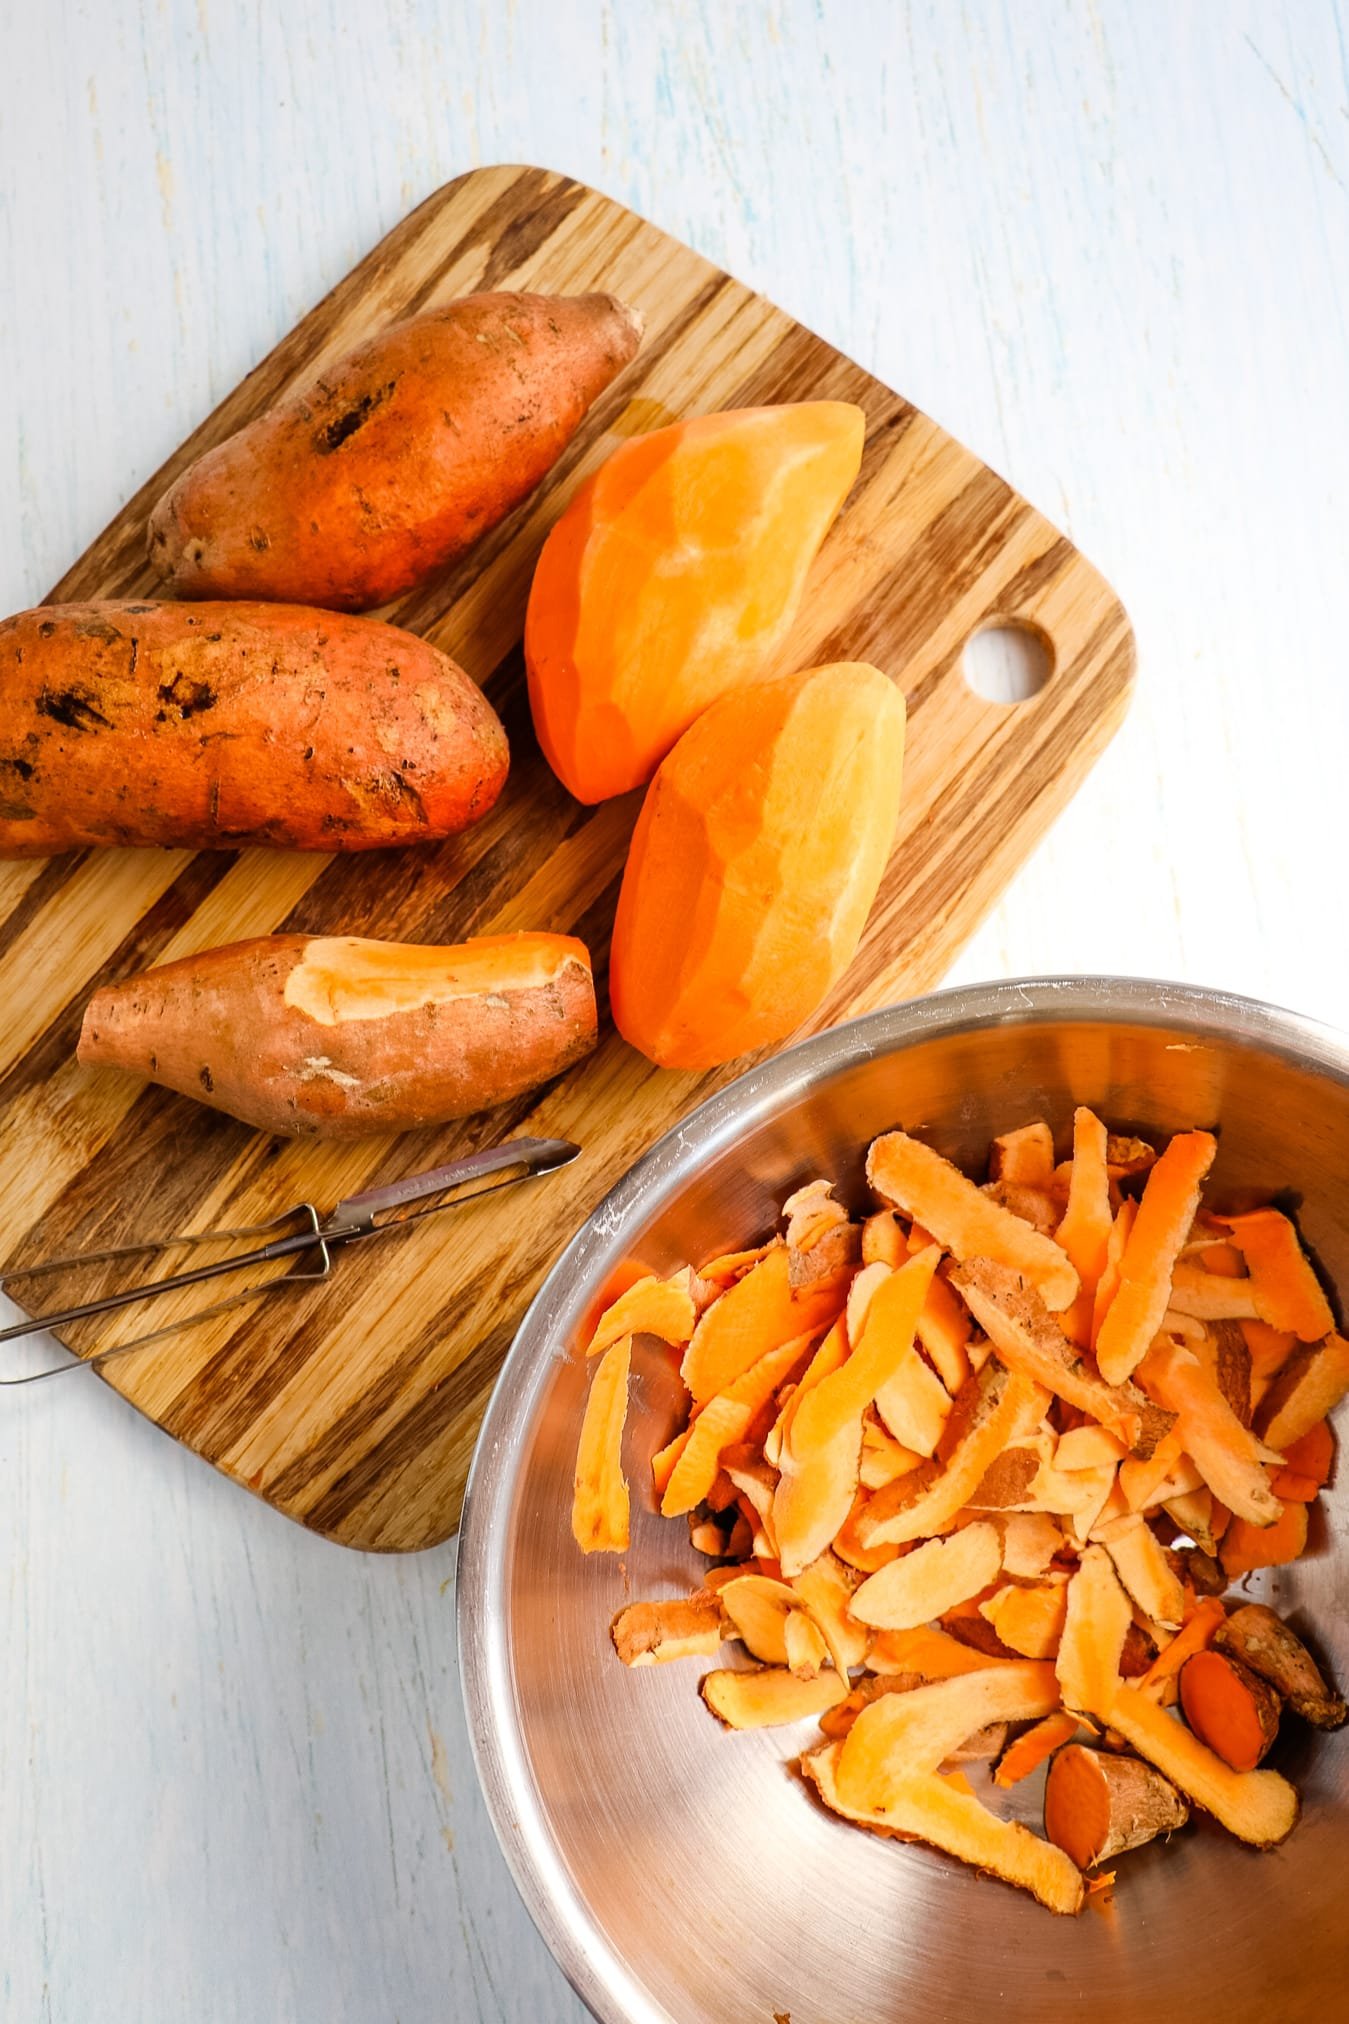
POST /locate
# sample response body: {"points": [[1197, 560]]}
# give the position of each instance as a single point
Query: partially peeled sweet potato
{"points": [[336, 1037]]}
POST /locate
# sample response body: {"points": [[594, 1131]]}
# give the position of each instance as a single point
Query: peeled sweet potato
{"points": [[754, 864], [674, 576], [211, 726], [397, 457], [336, 1037]]}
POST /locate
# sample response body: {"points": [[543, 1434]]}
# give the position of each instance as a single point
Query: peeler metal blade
{"points": [[371, 1213]]}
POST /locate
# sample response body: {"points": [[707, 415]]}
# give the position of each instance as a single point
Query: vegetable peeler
{"points": [[374, 1213]]}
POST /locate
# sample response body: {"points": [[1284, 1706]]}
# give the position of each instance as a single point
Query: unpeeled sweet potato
{"points": [[335, 1037], [754, 864], [211, 726], [396, 458], [674, 576]]}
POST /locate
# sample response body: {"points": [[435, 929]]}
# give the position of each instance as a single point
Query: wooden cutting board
{"points": [[352, 1406]]}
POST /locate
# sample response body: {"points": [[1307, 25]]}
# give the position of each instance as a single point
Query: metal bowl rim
{"points": [[595, 1971]]}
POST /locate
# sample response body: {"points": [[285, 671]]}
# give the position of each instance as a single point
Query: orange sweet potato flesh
{"points": [[763, 835], [1096, 1626], [722, 1422], [1313, 1454], [650, 1306], [905, 1735], [1227, 1455], [1288, 1292], [1085, 1229], [600, 1504], [674, 576], [821, 1448], [1028, 1620], [1229, 1707], [1024, 1157], [1147, 1574], [932, 1654], [923, 1584], [1203, 1627], [1270, 1349], [212, 726], [336, 1037], [1098, 1805], [395, 458], [768, 1697], [913, 1177], [1310, 1385], [1246, 1547], [1165, 1214], [1107, 1286], [944, 1331], [756, 1314], [1031, 1748]]}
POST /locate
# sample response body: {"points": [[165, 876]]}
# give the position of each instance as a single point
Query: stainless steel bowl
{"points": [[681, 1873]]}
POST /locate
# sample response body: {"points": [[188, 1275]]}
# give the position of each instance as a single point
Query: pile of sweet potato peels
{"points": [[974, 1473]]}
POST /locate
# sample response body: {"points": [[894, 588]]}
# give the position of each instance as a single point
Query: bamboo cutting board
{"points": [[353, 1405]]}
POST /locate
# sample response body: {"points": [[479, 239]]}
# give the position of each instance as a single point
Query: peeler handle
{"points": [[537, 1156]]}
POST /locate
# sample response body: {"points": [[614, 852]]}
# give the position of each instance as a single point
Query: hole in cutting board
{"points": [[1006, 663]]}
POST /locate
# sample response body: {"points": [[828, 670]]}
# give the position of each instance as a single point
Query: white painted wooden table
{"points": [[1107, 244]]}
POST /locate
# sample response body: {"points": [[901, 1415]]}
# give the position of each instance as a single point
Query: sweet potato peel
{"points": [[928, 1581], [599, 1511], [652, 1633], [1227, 1455], [983, 1459], [1033, 1746], [650, 1306], [935, 1810], [1027, 1338], [912, 1177], [1288, 1293], [904, 1734], [1165, 1213], [756, 1314], [769, 1697], [1003, 1405]]}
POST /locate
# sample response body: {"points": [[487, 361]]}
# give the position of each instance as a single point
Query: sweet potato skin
{"points": [[336, 1037], [212, 726], [754, 864], [396, 458]]}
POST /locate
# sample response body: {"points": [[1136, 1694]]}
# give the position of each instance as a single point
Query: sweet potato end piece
{"points": [[1098, 1805], [1229, 1707], [1265, 1643]]}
